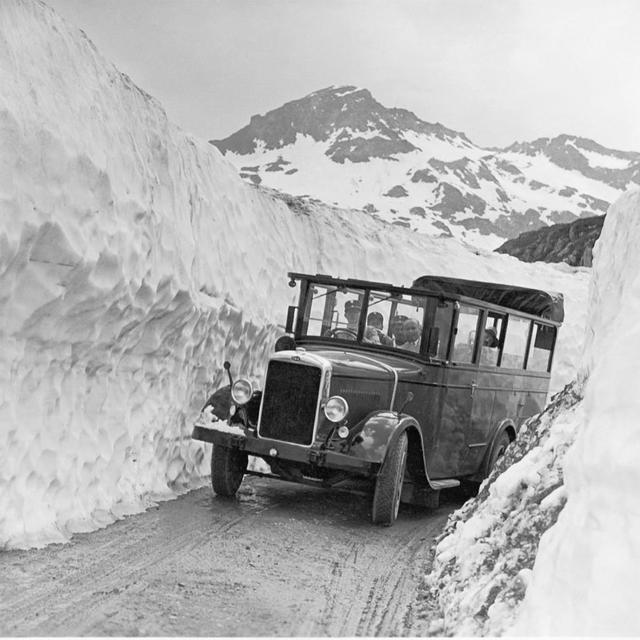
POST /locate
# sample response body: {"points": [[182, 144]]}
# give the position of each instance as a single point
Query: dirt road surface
{"points": [[280, 560]]}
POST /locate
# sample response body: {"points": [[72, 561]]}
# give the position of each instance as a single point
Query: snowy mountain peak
{"points": [[354, 124], [342, 146], [574, 153]]}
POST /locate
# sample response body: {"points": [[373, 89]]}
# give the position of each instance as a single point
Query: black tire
{"points": [[470, 488], [498, 450], [386, 497], [228, 466]]}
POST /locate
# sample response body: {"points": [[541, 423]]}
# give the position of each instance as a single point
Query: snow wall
{"points": [[585, 579], [551, 544], [133, 261]]}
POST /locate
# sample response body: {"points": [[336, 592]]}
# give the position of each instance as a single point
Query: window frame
{"points": [[527, 340], [454, 333], [485, 316], [300, 328], [552, 349]]}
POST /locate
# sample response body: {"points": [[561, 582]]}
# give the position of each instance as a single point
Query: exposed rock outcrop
{"points": [[571, 243]]}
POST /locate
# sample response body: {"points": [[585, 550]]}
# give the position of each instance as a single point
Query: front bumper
{"points": [[287, 451]]}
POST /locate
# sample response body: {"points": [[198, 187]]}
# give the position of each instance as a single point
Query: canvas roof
{"points": [[546, 304]]}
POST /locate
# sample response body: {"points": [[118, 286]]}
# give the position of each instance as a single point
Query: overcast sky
{"points": [[499, 70]]}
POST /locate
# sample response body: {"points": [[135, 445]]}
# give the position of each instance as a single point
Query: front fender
{"points": [[220, 401], [377, 432]]}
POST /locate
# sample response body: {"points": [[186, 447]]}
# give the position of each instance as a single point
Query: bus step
{"points": [[444, 484]]}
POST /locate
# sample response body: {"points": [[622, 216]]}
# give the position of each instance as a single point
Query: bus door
{"points": [[460, 381], [492, 393]]}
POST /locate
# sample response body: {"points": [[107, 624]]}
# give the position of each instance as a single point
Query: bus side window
{"points": [[541, 347], [515, 343], [465, 338], [442, 325], [490, 347]]}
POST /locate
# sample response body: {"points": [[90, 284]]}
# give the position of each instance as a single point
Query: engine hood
{"points": [[366, 379], [354, 363]]}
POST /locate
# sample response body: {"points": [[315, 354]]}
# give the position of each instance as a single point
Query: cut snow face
{"points": [[482, 562], [133, 262], [585, 577]]}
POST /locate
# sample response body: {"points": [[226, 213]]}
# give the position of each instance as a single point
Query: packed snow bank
{"points": [[483, 559], [133, 261], [586, 564], [586, 574]]}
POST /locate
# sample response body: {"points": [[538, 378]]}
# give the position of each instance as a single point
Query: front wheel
{"points": [[386, 497], [228, 466]]}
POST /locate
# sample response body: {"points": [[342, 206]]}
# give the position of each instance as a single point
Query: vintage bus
{"points": [[416, 388]]}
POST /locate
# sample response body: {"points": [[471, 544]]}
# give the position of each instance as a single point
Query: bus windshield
{"points": [[392, 320]]}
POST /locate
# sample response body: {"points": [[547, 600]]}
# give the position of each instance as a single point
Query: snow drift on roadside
{"points": [[482, 561], [586, 565], [133, 260], [586, 574]]}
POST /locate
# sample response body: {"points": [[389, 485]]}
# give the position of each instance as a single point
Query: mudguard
{"points": [[221, 402], [373, 437]]}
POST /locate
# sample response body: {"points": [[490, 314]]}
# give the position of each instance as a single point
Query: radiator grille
{"points": [[289, 402]]}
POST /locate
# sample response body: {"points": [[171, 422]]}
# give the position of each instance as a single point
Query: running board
{"points": [[436, 485]]}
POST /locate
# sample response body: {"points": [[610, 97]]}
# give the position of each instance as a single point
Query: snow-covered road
{"points": [[282, 560]]}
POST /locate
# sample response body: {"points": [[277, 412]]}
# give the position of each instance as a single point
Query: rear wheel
{"points": [[228, 465], [498, 450], [386, 498], [471, 487]]}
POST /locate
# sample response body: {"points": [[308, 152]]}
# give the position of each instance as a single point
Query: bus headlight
{"points": [[241, 391], [336, 408]]}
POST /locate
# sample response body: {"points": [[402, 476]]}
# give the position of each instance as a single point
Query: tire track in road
{"points": [[115, 566], [308, 562], [393, 591], [373, 584], [344, 574]]}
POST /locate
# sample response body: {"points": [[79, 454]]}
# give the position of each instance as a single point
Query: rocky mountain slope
{"points": [[565, 242], [342, 146]]}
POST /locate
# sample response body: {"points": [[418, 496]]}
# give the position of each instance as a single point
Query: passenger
{"points": [[375, 319], [396, 326], [371, 335], [375, 326], [412, 333], [490, 338], [489, 351]]}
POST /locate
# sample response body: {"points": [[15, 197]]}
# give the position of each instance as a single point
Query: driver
{"points": [[352, 313]]}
